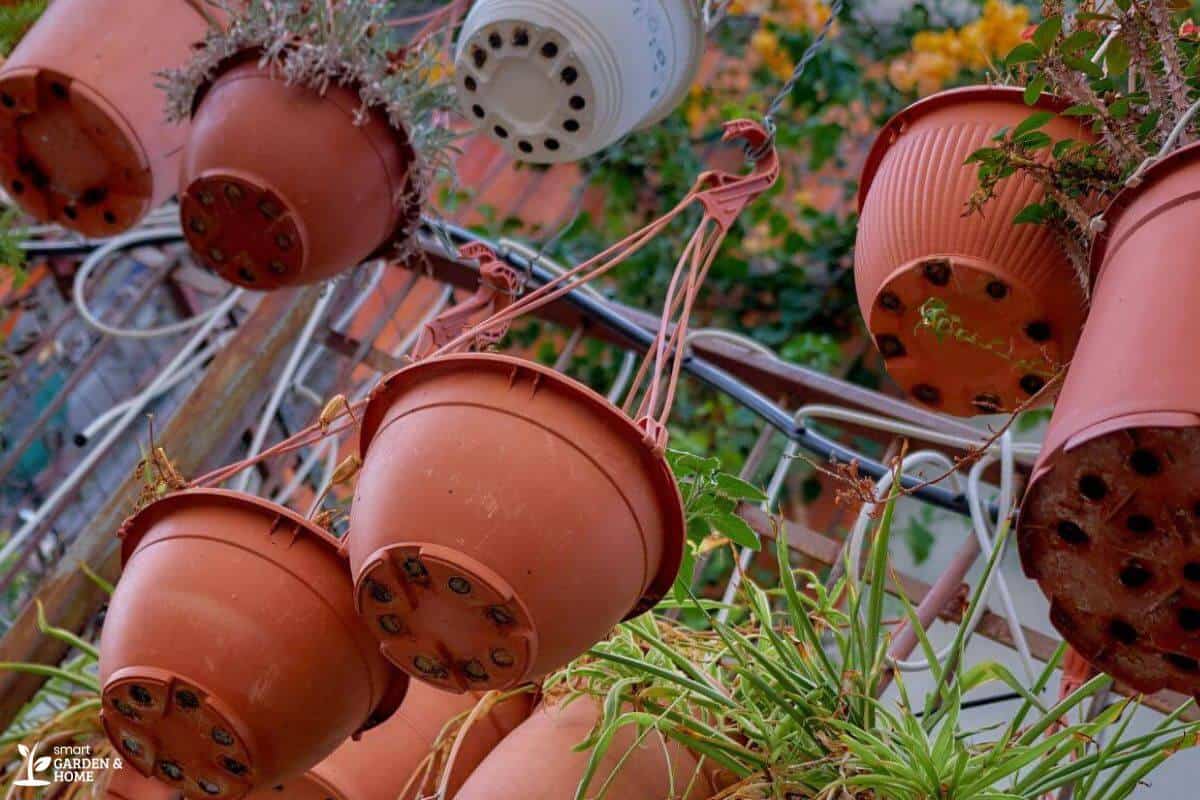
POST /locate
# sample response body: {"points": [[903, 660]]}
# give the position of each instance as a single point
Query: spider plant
{"points": [[66, 711], [787, 704]]}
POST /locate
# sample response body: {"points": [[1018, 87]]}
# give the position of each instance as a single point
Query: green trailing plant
{"points": [[710, 501], [787, 704], [66, 711], [1129, 69], [937, 318]]}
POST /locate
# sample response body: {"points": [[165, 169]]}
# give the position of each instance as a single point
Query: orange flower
{"points": [[1189, 30]]}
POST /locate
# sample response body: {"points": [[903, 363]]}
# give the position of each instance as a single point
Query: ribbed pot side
{"points": [[1110, 526], [506, 517], [1012, 287], [231, 655], [83, 138]]}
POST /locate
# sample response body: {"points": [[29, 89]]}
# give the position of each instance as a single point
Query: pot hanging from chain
{"points": [[1110, 526], [83, 140], [558, 80], [285, 185], [506, 516], [231, 655], [540, 759], [1011, 297], [394, 761]]}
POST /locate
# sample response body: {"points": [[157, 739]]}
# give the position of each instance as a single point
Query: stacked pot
{"points": [[232, 657], [542, 759], [1018, 302], [559, 80], [505, 519], [83, 141], [1110, 527], [389, 763]]}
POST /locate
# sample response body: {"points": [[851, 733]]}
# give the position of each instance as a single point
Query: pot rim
{"points": [[935, 102], [408, 217], [384, 394], [1129, 195], [137, 526]]}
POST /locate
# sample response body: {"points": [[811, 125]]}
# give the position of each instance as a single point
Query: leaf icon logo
{"points": [[32, 765]]}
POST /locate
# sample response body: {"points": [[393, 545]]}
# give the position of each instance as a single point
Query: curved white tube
{"points": [[284, 383]]}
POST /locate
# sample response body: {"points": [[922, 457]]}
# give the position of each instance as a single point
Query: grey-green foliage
{"points": [[788, 702]]}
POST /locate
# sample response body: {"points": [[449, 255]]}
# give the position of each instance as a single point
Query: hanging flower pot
{"points": [[1108, 527], [262, 208], [127, 784], [388, 763], [231, 655], [539, 760], [83, 142], [506, 517], [313, 140], [559, 80], [1011, 298]]}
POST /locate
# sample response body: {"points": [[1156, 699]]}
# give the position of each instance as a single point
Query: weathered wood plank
{"points": [[201, 432]]}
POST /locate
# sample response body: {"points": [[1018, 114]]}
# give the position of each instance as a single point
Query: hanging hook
{"points": [[724, 194]]}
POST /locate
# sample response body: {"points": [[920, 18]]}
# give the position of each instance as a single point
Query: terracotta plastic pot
{"points": [[559, 80], [380, 765], [506, 517], [83, 139], [282, 187], [1110, 526], [1012, 285], [127, 784], [538, 760], [231, 655]]}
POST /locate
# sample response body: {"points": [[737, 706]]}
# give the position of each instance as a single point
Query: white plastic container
{"points": [[558, 80]]}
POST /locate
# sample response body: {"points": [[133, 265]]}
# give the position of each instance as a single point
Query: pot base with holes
{"points": [[446, 618], [1110, 526], [1011, 299], [82, 140], [555, 81], [1109, 534], [505, 518], [231, 655], [996, 371], [264, 206]]}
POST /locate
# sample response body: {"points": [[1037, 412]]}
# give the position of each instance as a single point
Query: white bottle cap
{"points": [[558, 80]]}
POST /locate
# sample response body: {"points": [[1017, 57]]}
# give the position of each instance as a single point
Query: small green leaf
{"points": [[1022, 54], [1063, 147], [1034, 90], [1117, 57], [1032, 123], [1047, 32], [1080, 40], [736, 529], [1034, 213], [1081, 110], [1034, 141], [739, 489]]}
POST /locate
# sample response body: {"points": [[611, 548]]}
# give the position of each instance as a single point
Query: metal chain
{"points": [[785, 92]]}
